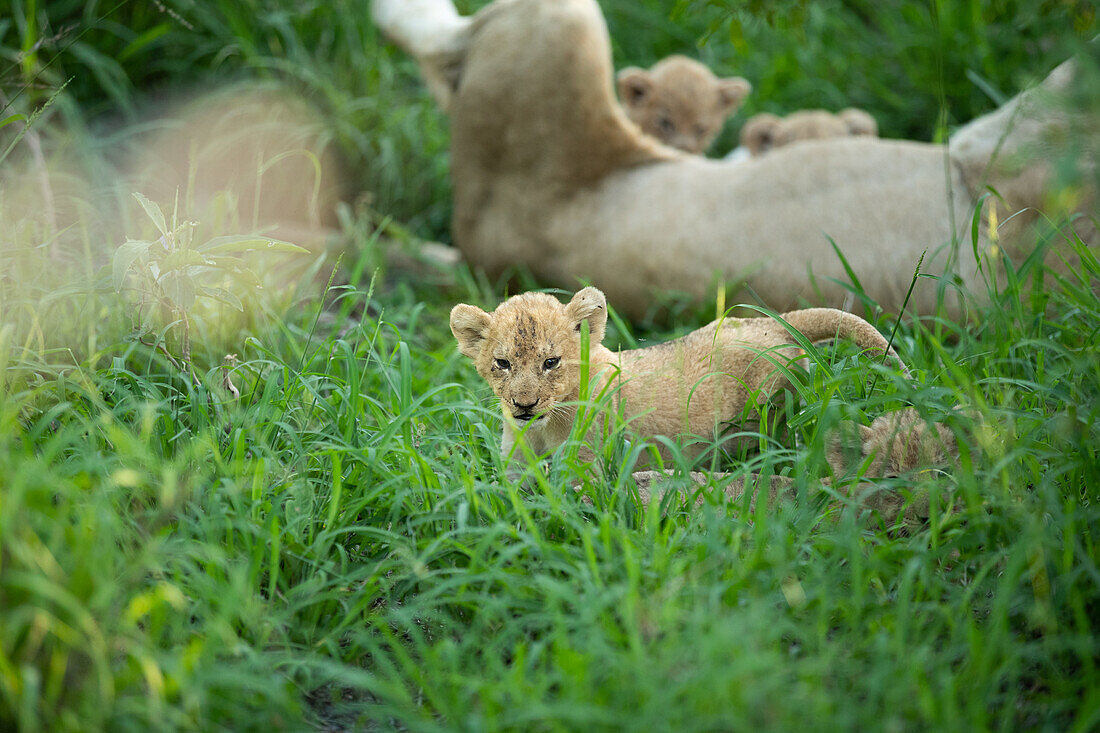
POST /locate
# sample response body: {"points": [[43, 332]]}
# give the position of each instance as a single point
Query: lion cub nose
{"points": [[522, 406]]}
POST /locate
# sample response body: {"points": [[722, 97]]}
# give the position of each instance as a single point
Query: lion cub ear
{"points": [[589, 305], [634, 85], [759, 132], [732, 92], [470, 325], [859, 122]]}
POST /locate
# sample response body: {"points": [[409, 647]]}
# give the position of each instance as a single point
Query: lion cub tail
{"points": [[827, 324]]}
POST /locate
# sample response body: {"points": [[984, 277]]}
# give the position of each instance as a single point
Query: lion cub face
{"points": [[680, 102], [528, 350], [896, 443]]}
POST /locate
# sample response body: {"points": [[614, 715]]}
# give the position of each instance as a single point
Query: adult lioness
{"points": [[529, 351], [549, 173]]}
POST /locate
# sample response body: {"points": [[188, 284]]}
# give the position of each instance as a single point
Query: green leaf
{"points": [[183, 258], [73, 290], [125, 257], [143, 40], [106, 69], [247, 243], [154, 212], [179, 288], [995, 95], [247, 277], [12, 118], [737, 32], [223, 295], [227, 262]]}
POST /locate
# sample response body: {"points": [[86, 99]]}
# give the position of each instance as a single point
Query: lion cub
{"points": [[680, 102], [765, 131], [528, 350], [897, 444]]}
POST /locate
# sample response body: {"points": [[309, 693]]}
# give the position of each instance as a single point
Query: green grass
{"points": [[337, 547]]}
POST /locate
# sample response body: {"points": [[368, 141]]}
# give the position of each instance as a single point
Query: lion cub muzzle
{"points": [[522, 412]]}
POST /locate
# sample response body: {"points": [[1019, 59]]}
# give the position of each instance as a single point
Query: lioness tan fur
{"points": [[528, 350], [550, 173], [680, 101], [765, 131]]}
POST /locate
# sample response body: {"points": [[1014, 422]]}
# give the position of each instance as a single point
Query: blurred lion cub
{"points": [[680, 102], [765, 131]]}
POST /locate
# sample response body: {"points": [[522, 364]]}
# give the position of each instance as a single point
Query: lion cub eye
{"points": [[502, 364], [551, 362]]}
